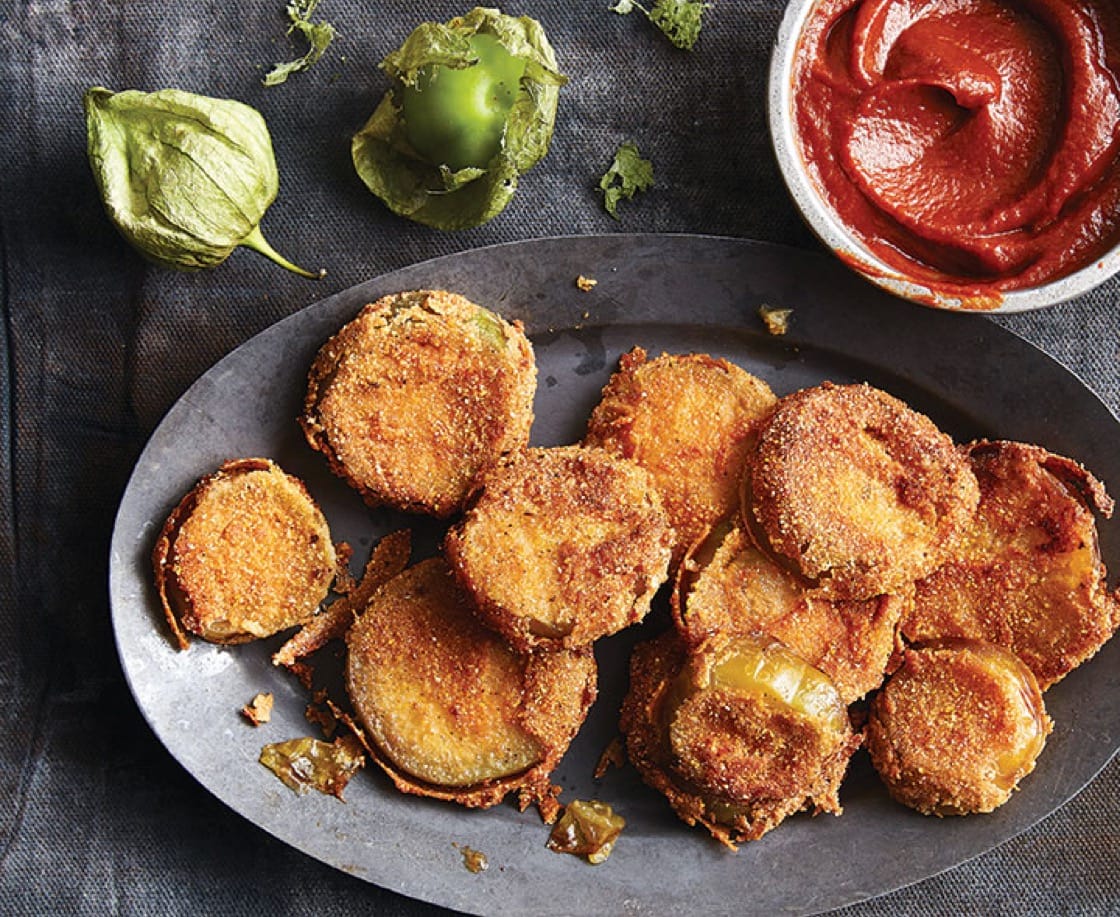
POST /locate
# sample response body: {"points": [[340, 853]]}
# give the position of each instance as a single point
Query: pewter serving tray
{"points": [[665, 293]]}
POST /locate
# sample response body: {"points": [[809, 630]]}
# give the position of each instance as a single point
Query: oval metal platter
{"points": [[665, 293]]}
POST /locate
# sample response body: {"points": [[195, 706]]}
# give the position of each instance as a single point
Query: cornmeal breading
{"points": [[855, 491], [690, 421], [447, 707], [415, 396], [562, 546], [246, 553]]}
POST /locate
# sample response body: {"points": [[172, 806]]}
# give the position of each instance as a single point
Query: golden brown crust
{"points": [[739, 591], [246, 554], [737, 763], [690, 421], [855, 491], [1028, 574], [957, 727], [411, 399], [562, 546], [388, 558], [449, 710]]}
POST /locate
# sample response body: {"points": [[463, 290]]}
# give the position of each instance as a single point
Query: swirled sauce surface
{"points": [[972, 144]]}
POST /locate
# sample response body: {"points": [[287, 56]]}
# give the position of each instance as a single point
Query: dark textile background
{"points": [[95, 817]]}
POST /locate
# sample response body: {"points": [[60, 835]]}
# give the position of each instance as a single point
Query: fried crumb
{"points": [[323, 717], [613, 756], [258, 710], [587, 284], [776, 320], [473, 860]]}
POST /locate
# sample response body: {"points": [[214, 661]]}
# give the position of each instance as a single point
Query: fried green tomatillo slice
{"points": [[738, 734], [957, 727], [727, 585], [246, 554], [1028, 574], [562, 546], [690, 421], [447, 708], [416, 395], [856, 492]]}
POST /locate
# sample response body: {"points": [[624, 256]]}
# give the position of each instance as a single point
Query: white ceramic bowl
{"points": [[829, 228]]}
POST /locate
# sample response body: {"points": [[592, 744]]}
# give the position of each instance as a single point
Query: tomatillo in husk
{"points": [[471, 110]]}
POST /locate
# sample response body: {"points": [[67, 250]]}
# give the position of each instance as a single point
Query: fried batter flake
{"points": [[306, 763], [416, 395], [690, 421], [388, 558], [1028, 575]]}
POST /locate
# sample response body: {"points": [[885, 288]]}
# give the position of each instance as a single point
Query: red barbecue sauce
{"points": [[973, 145]]}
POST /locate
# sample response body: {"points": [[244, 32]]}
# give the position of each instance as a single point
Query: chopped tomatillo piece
{"points": [[185, 178], [628, 174], [471, 110], [776, 320], [679, 20], [319, 35], [587, 829], [307, 763]]}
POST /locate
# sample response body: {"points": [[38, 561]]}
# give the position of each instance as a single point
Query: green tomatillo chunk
{"points": [[471, 110], [185, 178]]}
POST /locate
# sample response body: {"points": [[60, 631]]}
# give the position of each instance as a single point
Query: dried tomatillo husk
{"points": [[185, 178], [493, 124]]}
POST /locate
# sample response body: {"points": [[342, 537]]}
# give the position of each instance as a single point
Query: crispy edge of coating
{"points": [[470, 548], [954, 790], [545, 716], [786, 525], [381, 317], [993, 460], [388, 558], [631, 401], [166, 583], [654, 665], [856, 643]]}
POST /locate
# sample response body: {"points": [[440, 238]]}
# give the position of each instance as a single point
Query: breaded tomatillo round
{"points": [[1028, 574], [246, 553], [448, 709], [562, 546], [411, 399], [957, 727], [855, 491], [738, 733], [728, 586], [689, 420]]}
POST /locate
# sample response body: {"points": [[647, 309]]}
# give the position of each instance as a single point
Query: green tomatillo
{"points": [[456, 117], [185, 178], [472, 108]]}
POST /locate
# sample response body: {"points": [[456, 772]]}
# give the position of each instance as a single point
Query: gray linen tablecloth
{"points": [[95, 816]]}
